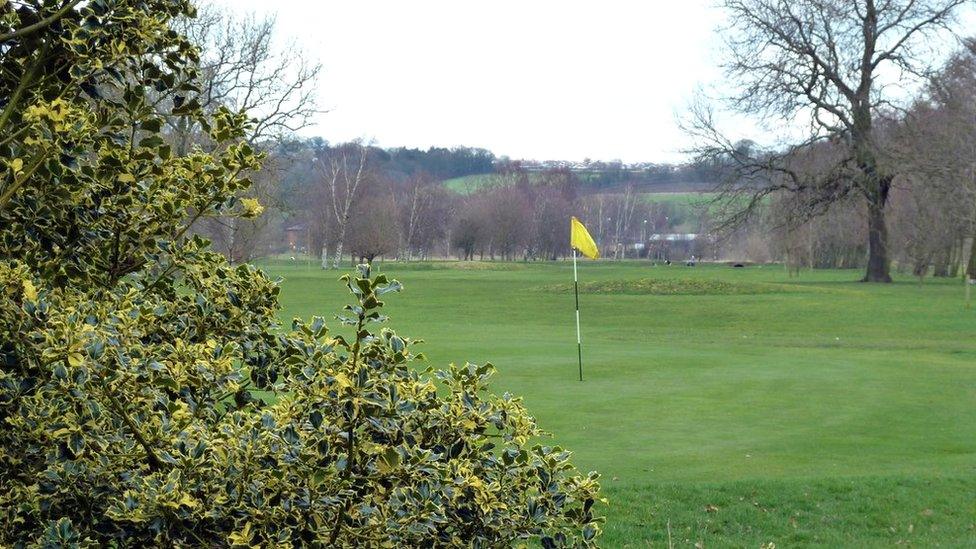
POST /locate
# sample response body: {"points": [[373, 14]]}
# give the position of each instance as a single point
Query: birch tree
{"points": [[343, 171], [419, 198]]}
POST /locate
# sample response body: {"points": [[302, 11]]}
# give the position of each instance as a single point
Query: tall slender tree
{"points": [[343, 171]]}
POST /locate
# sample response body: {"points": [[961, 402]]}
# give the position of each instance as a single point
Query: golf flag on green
{"points": [[580, 239]]}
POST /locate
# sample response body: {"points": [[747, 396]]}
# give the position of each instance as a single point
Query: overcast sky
{"points": [[540, 79], [544, 79]]}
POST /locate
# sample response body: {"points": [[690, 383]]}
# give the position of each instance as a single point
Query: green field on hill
{"points": [[724, 407], [689, 199], [471, 183]]}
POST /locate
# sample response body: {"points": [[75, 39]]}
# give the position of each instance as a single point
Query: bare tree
{"points": [[554, 197], [468, 232], [823, 62], [509, 217], [343, 171], [419, 198], [433, 225], [623, 220], [243, 240], [244, 68], [373, 230]]}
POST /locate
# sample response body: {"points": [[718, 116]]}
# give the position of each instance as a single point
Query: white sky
{"points": [[539, 79], [542, 79]]}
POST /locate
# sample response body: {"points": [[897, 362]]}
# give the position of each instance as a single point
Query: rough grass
{"points": [[843, 415]]}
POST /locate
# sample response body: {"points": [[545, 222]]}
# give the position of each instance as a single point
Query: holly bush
{"points": [[148, 394]]}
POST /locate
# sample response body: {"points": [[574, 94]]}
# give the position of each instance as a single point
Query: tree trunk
{"points": [[971, 265], [337, 258], [961, 258], [921, 268], [336, 263], [970, 271], [942, 266], [879, 264]]}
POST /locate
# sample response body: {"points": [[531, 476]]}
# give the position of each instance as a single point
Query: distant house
{"points": [[674, 237], [296, 237]]}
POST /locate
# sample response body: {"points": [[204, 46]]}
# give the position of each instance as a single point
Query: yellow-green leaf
{"points": [[30, 292]]}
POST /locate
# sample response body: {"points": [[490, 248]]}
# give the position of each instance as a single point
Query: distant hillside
{"points": [[590, 183]]}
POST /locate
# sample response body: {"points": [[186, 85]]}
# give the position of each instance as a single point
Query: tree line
{"points": [[349, 200], [360, 201], [879, 183]]}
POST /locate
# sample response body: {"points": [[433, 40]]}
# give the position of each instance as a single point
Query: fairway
{"points": [[740, 406]]}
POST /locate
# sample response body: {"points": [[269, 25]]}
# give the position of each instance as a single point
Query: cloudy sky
{"points": [[542, 79]]}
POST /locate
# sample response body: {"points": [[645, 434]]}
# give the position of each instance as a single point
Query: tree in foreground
{"points": [[831, 66], [148, 396]]}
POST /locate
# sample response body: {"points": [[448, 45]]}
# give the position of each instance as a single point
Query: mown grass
{"points": [[872, 511], [832, 414], [674, 286]]}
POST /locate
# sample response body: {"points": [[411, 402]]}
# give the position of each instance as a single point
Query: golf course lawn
{"points": [[724, 407]]}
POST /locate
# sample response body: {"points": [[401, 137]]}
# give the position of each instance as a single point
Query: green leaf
{"points": [[169, 383], [76, 443], [153, 125]]}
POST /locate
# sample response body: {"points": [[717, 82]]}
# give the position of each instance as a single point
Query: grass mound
{"points": [[672, 286], [453, 265]]}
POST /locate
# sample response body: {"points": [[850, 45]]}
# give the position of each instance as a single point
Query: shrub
{"points": [[148, 395]]}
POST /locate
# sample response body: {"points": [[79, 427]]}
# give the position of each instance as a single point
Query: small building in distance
{"points": [[673, 246], [296, 238]]}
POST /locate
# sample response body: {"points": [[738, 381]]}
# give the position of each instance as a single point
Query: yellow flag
{"points": [[581, 240]]}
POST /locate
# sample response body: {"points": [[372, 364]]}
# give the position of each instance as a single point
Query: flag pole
{"points": [[579, 340]]}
